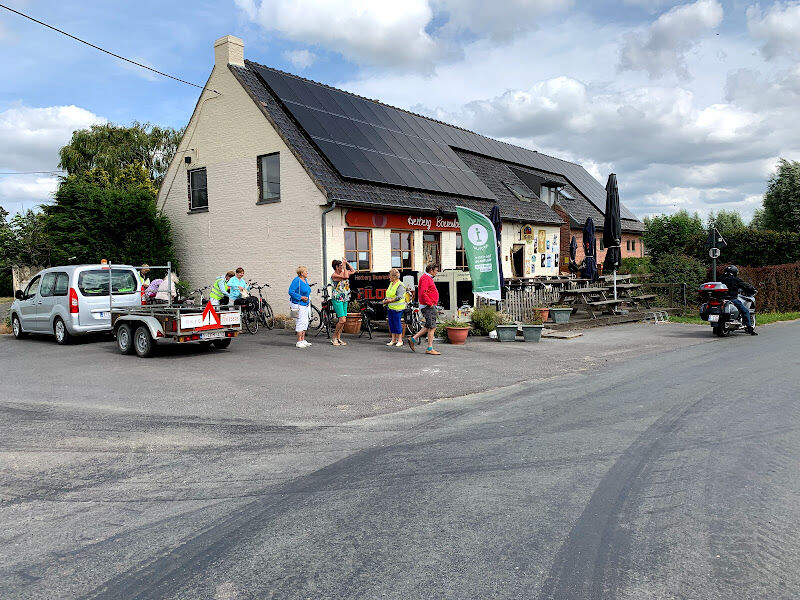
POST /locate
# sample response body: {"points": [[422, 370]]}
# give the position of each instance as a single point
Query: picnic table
{"points": [[593, 300], [627, 293]]}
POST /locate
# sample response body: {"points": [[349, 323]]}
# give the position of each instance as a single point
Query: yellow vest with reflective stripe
{"points": [[391, 293], [219, 289]]}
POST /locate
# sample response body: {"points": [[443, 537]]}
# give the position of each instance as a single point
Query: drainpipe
{"points": [[325, 242]]}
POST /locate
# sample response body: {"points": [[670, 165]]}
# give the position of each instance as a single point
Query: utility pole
{"points": [[715, 243]]}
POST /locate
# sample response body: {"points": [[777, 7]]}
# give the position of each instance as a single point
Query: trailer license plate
{"points": [[213, 335], [713, 318]]}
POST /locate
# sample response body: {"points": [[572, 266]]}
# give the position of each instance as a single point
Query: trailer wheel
{"points": [[143, 343], [222, 344], [125, 339]]}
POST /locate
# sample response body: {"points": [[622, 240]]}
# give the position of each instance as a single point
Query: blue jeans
{"points": [[744, 312]]}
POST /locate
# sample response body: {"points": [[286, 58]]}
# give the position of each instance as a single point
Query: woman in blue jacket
{"points": [[299, 293]]}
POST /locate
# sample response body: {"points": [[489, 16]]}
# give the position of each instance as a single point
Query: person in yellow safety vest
{"points": [[396, 303], [220, 289]]}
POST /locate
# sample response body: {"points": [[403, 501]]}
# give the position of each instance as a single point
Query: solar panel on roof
{"points": [[424, 146]]}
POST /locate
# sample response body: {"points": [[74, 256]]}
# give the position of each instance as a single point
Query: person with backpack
{"points": [[395, 300], [428, 297]]}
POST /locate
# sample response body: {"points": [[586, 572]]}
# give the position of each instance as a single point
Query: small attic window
{"points": [[521, 192], [567, 195]]}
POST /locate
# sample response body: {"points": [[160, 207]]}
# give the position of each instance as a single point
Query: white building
{"points": [[276, 171]]}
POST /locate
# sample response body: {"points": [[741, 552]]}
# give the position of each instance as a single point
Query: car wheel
{"points": [[125, 338], [143, 343], [220, 344], [60, 331], [16, 327]]}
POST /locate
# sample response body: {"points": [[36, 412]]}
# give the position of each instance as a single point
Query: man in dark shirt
{"points": [[734, 284]]}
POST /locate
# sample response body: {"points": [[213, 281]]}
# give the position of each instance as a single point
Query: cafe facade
{"points": [[276, 171]]}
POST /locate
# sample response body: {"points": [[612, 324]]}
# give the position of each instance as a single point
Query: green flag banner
{"points": [[480, 249]]}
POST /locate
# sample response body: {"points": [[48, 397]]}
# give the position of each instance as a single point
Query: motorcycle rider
{"points": [[734, 284]]}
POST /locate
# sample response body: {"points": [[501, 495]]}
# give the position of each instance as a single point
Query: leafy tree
{"points": [[97, 215], [112, 148], [672, 234], [782, 200], [758, 220], [726, 221]]}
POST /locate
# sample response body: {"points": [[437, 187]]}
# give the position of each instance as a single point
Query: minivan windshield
{"points": [[95, 282]]}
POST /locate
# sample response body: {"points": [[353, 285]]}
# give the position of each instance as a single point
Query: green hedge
{"points": [[752, 248], [778, 286]]}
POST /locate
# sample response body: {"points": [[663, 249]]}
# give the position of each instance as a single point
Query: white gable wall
{"points": [[225, 135]]}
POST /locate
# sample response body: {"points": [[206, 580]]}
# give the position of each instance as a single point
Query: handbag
{"points": [[294, 312]]}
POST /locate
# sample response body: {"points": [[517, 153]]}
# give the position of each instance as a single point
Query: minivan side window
{"points": [[48, 284], [95, 282], [62, 285], [33, 287]]}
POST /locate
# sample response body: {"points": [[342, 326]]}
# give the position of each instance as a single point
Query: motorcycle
{"points": [[720, 312]]}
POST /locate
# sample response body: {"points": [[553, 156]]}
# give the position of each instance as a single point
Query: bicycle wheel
{"points": [[314, 318], [267, 316], [413, 325], [250, 318]]}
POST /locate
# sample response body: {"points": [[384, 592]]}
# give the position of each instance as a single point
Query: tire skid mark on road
{"points": [[579, 568]]}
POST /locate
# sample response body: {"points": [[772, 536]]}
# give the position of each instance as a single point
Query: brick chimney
{"points": [[228, 50]]}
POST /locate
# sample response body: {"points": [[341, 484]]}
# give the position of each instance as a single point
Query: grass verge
{"points": [[761, 318]]}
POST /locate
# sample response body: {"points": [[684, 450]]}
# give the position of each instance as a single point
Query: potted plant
{"points": [[505, 327], [560, 313], [541, 312], [352, 322], [532, 330], [456, 331]]}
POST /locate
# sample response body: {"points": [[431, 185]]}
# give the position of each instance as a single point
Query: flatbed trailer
{"points": [[140, 329]]}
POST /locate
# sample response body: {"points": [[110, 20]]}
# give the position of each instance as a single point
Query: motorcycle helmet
{"points": [[732, 270]]}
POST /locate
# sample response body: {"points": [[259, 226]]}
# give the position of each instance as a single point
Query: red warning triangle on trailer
{"points": [[210, 319]]}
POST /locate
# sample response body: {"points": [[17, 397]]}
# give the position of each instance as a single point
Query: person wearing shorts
{"points": [[340, 296], [395, 301], [428, 297]]}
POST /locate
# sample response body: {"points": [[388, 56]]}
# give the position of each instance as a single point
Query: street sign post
{"points": [[714, 244]]}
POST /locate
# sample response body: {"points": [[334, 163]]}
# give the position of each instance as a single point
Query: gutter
{"points": [[325, 241]]}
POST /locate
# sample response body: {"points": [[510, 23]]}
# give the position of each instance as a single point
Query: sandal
{"points": [[336, 342]]}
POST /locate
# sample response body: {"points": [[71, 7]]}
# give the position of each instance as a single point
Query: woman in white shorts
{"points": [[299, 294]]}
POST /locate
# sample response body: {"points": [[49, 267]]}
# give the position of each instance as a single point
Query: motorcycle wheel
{"points": [[720, 331]]}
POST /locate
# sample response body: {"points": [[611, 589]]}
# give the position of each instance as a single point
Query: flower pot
{"points": [[457, 335], [352, 323], [532, 333], [506, 333], [560, 315], [542, 313]]}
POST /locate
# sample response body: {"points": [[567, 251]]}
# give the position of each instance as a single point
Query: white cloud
{"points": [[31, 137], [778, 28], [302, 59], [29, 141], [498, 22], [662, 50], [391, 34]]}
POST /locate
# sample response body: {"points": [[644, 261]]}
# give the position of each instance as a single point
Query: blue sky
{"points": [[691, 103]]}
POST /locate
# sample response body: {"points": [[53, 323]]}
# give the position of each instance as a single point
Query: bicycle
{"points": [[367, 312], [413, 318], [191, 297], [264, 311], [323, 317]]}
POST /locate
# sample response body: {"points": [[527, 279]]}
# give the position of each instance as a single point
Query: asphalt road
{"points": [[608, 472]]}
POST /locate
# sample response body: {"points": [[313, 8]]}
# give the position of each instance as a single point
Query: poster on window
{"points": [[542, 238], [549, 261], [544, 260]]}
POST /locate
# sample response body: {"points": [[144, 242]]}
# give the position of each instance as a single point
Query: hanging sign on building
{"points": [[480, 249], [527, 233], [368, 218]]}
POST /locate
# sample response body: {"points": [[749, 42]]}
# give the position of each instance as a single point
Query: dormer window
{"points": [[521, 192], [550, 191]]}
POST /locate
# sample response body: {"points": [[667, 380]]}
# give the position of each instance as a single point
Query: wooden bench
{"points": [[644, 299], [603, 305]]}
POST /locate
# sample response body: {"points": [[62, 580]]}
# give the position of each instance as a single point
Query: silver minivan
{"points": [[73, 300]]}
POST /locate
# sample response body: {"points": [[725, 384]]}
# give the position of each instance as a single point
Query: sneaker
{"points": [[300, 345], [399, 343], [306, 343], [390, 343], [751, 331], [411, 342]]}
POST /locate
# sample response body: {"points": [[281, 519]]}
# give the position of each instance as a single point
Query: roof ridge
{"points": [[410, 112]]}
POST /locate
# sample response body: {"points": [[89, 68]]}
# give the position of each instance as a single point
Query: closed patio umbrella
{"points": [[612, 230], [494, 217], [589, 242], [573, 253]]}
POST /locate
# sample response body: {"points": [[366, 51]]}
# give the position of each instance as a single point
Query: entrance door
{"points": [[431, 249], [518, 260]]}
